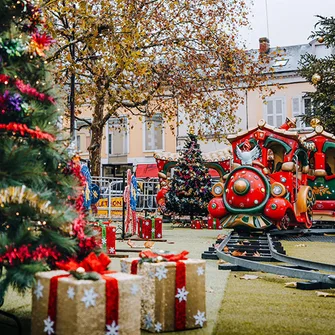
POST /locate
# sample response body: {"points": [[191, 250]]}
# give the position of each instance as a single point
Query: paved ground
{"points": [[194, 241]]}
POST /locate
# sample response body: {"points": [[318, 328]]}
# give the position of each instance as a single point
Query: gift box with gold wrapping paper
{"points": [[63, 304], [173, 290]]}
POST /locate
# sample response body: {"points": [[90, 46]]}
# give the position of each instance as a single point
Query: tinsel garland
{"points": [[14, 256], [26, 88], [21, 194], [24, 130]]}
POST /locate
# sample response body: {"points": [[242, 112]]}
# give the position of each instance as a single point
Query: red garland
{"points": [[180, 306], [23, 130], [26, 89], [23, 253]]}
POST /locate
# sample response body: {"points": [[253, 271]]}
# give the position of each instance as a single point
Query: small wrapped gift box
{"points": [[151, 228], [213, 223], [106, 237], [64, 305], [197, 224], [173, 293]]}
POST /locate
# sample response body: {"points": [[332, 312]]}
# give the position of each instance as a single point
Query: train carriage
{"points": [[321, 177]]}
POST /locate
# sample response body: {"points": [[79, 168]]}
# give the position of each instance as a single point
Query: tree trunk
{"points": [[96, 139]]}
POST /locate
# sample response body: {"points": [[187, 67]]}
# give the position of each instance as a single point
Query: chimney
{"points": [[264, 45]]}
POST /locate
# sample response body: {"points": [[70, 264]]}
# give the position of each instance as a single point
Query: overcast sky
{"points": [[290, 21]]}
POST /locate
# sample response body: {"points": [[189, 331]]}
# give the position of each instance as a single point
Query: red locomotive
{"points": [[268, 184]]}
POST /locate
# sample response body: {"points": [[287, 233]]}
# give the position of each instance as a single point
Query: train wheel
{"points": [[284, 223]]}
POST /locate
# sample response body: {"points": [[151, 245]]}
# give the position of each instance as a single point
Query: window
{"points": [[280, 62], [153, 133], [301, 106], [275, 111], [83, 134], [117, 136]]}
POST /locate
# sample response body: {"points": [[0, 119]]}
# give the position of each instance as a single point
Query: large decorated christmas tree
{"points": [[190, 187], [41, 210]]}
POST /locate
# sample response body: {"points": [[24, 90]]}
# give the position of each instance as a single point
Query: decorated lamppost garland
{"points": [[130, 199]]}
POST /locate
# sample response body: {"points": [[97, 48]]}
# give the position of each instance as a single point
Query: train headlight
{"points": [[217, 189], [278, 190]]}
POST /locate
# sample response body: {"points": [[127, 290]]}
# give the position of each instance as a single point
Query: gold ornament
{"points": [[321, 39], [316, 78], [314, 122]]}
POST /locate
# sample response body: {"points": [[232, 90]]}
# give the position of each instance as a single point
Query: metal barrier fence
{"points": [[111, 196]]}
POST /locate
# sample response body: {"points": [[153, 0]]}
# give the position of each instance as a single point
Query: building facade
{"points": [[127, 143], [288, 101], [131, 143]]}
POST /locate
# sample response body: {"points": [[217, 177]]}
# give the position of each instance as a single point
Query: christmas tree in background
{"points": [[190, 187], [321, 73], [41, 210]]}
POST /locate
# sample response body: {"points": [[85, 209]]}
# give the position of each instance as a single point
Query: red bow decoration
{"points": [[92, 263], [166, 257]]}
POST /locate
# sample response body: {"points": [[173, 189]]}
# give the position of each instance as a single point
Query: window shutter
{"points": [[269, 112], [279, 112]]}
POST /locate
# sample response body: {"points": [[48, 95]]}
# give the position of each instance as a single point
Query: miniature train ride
{"points": [[276, 178]]}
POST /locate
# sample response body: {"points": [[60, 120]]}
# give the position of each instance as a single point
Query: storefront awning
{"points": [[146, 171]]}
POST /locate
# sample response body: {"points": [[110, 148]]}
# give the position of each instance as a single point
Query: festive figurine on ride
{"points": [[268, 183]]}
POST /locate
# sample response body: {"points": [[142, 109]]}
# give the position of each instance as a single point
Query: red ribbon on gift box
{"points": [[133, 267], [92, 263]]}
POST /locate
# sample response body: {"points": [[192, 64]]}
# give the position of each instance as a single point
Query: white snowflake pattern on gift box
{"points": [[89, 297], [112, 329], [70, 292], [39, 290], [200, 318], [148, 321], [112, 250], [124, 267], [161, 272], [200, 271], [103, 241], [158, 327], [134, 289], [182, 294], [48, 326]]}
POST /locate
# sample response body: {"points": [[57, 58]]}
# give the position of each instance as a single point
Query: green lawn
{"points": [[264, 306]]}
